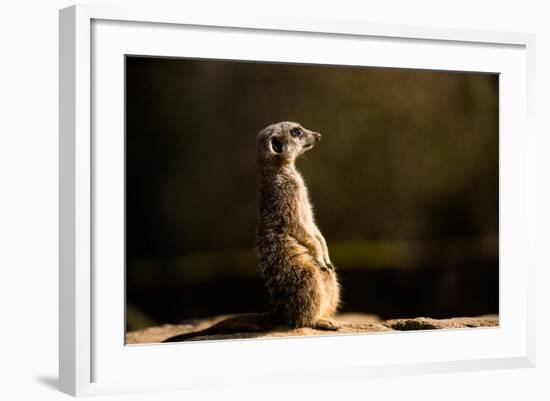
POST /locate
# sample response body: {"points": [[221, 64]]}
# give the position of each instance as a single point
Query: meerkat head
{"points": [[285, 141]]}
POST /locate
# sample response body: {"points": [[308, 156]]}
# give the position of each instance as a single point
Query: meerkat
{"points": [[294, 261]]}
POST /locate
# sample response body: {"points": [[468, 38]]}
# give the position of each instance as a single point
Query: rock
{"points": [[425, 323], [352, 323]]}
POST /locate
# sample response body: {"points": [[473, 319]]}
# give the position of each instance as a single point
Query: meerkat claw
{"points": [[325, 268]]}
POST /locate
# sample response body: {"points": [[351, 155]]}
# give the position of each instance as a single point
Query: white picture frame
{"points": [[93, 357]]}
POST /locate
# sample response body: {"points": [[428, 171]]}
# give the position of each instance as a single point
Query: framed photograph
{"points": [[276, 200]]}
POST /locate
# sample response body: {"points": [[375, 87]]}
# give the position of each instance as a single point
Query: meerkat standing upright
{"points": [[294, 258], [293, 255]]}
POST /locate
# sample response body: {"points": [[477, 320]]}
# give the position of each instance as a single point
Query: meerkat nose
{"points": [[317, 136]]}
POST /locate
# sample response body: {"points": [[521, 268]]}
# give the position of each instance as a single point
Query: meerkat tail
{"points": [[245, 323]]}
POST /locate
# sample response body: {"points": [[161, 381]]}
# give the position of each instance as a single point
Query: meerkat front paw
{"points": [[321, 263], [328, 268], [324, 267]]}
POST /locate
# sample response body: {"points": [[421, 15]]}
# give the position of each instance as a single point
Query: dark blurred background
{"points": [[404, 185]]}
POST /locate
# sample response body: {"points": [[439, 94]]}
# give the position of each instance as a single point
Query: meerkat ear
{"points": [[276, 145]]}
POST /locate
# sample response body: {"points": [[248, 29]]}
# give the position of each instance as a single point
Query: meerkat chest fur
{"points": [[303, 204], [284, 201]]}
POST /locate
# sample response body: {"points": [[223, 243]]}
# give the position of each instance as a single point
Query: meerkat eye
{"points": [[296, 132]]}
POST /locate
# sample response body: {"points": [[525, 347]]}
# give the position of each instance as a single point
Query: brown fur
{"points": [[293, 254]]}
